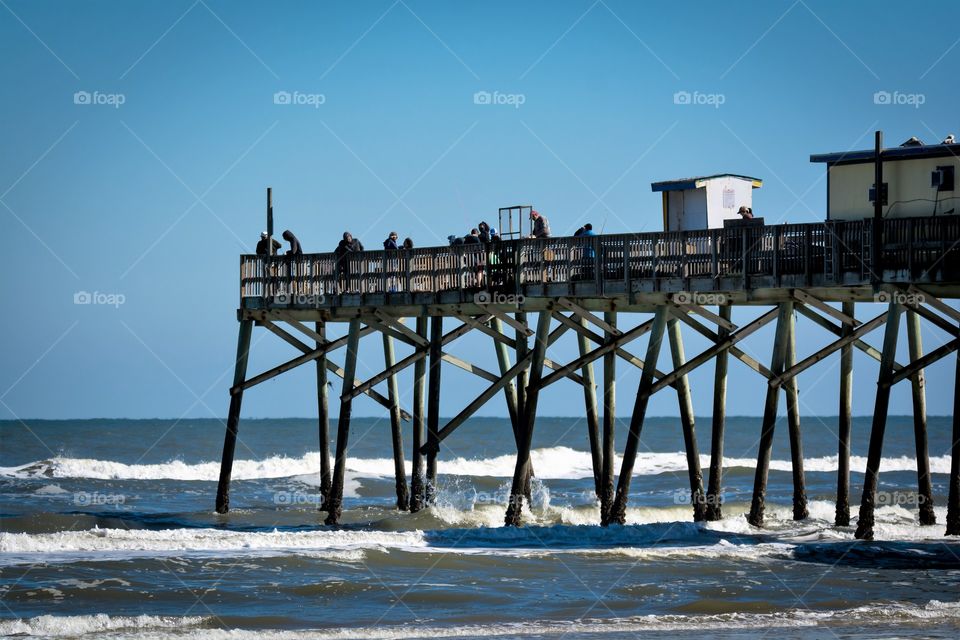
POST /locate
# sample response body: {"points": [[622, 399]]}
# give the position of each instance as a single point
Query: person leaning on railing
{"points": [[347, 245]]}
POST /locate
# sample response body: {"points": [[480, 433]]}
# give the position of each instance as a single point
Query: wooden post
{"points": [[521, 473], [918, 384], [845, 423], [590, 413], [687, 421], [618, 511], [953, 499], [433, 406], [335, 500], [609, 420], [770, 415], [714, 504], [869, 499], [793, 426], [522, 349], [509, 392], [323, 419], [393, 394], [417, 488], [233, 417]]}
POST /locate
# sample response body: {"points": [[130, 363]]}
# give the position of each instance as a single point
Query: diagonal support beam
{"points": [[836, 330], [505, 317], [736, 352], [925, 361], [706, 313], [805, 298], [597, 353], [589, 317]]}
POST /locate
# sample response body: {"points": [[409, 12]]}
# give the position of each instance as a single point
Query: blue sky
{"points": [[152, 200]]}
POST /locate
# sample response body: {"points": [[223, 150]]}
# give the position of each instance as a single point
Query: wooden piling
{"points": [[714, 509], [417, 486], [509, 391], [953, 497], [793, 427], [433, 406], [781, 339], [881, 405], [522, 349], [618, 511], [393, 395], [845, 422], [233, 417], [521, 472], [590, 413], [609, 420], [918, 389], [685, 402], [323, 418], [335, 501]]}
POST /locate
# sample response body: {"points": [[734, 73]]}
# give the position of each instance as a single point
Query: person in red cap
{"points": [[541, 226]]}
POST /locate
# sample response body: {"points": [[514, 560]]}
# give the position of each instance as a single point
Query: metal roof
{"points": [[893, 153], [698, 181]]}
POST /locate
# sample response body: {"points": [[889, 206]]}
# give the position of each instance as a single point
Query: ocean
{"points": [[108, 531]]}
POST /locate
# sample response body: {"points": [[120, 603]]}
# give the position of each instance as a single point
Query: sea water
{"points": [[108, 531]]}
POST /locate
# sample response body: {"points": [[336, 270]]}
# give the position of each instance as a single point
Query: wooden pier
{"points": [[526, 294]]}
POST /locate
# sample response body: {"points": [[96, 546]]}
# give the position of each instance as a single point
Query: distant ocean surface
{"points": [[108, 531]]}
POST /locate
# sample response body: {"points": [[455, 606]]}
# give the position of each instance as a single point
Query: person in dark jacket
{"points": [[455, 241], [263, 247], [295, 249], [472, 238], [390, 244], [342, 253], [484, 230], [541, 226], [407, 243]]}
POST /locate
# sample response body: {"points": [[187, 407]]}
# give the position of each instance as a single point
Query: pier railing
{"points": [[740, 257]]}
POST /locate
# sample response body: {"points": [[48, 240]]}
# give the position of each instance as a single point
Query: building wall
{"points": [[742, 197], [909, 193], [687, 209]]}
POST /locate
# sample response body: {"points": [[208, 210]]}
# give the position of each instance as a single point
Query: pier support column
{"points": [[845, 423], [522, 382], [714, 506], [323, 419], [953, 498], [233, 417], [918, 388], [687, 421], [618, 511], [887, 358], [509, 392], [521, 473], [393, 395], [590, 413], [335, 500], [417, 487], [433, 406], [793, 426], [780, 345], [609, 422]]}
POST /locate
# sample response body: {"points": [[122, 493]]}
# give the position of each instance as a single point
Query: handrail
{"points": [[831, 252]]}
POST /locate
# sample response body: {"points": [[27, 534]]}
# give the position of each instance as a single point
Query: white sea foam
{"points": [[888, 615], [551, 463]]}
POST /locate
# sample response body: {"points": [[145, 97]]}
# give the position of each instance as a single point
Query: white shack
{"points": [[919, 180], [704, 202]]}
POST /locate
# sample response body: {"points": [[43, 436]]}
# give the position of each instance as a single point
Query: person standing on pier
{"points": [[390, 244], [263, 247], [342, 253], [541, 226], [295, 249]]}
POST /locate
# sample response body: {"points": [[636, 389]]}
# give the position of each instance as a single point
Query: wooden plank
{"points": [[706, 313], [836, 330], [397, 324], [481, 326], [736, 352], [505, 317], [597, 353], [936, 303], [919, 365], [805, 298], [589, 317], [469, 367]]}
